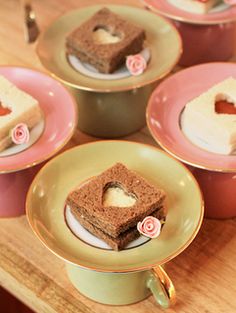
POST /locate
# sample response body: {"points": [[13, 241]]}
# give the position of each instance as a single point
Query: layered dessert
{"points": [[195, 6], [105, 40], [209, 121], [112, 204], [18, 111]]}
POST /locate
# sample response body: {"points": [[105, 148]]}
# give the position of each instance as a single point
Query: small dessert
{"points": [[195, 6], [19, 112], [209, 121], [105, 40], [112, 204]]}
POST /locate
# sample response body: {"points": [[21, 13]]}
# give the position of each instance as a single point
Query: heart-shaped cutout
{"points": [[115, 195], [4, 110], [103, 35], [223, 105]]}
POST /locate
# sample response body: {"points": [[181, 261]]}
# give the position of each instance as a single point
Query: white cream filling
{"points": [[102, 36], [115, 196]]}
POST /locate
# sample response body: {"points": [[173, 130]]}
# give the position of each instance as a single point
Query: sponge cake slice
{"points": [[23, 109]]}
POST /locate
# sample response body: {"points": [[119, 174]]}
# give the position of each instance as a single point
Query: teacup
{"points": [[13, 189], [206, 37], [18, 168], [115, 277], [215, 172], [111, 107], [206, 43], [123, 288]]}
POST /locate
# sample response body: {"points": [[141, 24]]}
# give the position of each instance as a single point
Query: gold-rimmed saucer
{"points": [[162, 39], [47, 195]]}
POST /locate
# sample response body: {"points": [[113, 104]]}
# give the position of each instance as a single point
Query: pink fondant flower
{"points": [[136, 64], [230, 2], [149, 227], [20, 134]]}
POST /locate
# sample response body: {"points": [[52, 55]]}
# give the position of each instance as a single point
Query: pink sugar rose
{"points": [[149, 227], [20, 134], [136, 64], [230, 2]]}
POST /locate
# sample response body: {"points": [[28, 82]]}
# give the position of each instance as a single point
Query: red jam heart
{"points": [[225, 107], [4, 111]]}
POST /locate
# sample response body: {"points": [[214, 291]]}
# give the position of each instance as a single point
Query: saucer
{"points": [[163, 7], [49, 190], [161, 35], [60, 117], [165, 107]]}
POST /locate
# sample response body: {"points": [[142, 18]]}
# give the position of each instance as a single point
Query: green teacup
{"points": [[123, 288], [132, 274], [111, 107]]}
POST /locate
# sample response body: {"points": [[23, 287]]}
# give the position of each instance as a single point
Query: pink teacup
{"points": [[206, 37], [216, 173], [218, 192], [206, 43], [60, 119], [13, 190]]}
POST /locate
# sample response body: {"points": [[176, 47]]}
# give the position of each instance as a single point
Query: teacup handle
{"points": [[161, 287]]}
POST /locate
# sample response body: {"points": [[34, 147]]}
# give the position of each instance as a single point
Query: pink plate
{"points": [[165, 8], [167, 103], [60, 116]]}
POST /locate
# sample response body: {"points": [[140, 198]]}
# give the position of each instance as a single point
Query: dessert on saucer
{"points": [[117, 206], [105, 43], [201, 6], [209, 121], [19, 113]]}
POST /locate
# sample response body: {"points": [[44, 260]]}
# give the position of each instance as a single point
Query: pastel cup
{"points": [[112, 114], [104, 275], [18, 169], [111, 108], [206, 37], [13, 189], [123, 288], [206, 43], [215, 173], [218, 191]]}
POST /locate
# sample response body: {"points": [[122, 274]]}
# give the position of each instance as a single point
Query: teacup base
{"points": [[123, 288], [206, 43], [13, 190], [218, 190], [112, 114], [110, 288]]}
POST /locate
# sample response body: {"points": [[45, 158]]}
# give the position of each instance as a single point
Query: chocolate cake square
{"points": [[105, 40], [111, 204]]}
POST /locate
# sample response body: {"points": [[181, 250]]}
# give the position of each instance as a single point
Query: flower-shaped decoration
{"points": [[150, 227], [136, 64], [20, 134]]}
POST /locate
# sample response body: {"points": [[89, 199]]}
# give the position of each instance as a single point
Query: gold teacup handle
{"points": [[161, 287]]}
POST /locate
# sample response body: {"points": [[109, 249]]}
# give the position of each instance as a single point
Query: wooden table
{"points": [[204, 275]]}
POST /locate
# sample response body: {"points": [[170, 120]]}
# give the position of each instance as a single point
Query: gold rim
{"points": [[186, 20], [67, 139], [131, 87], [135, 269], [166, 148]]}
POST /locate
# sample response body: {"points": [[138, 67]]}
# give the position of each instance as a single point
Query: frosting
{"points": [[149, 227], [20, 134], [136, 64]]}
